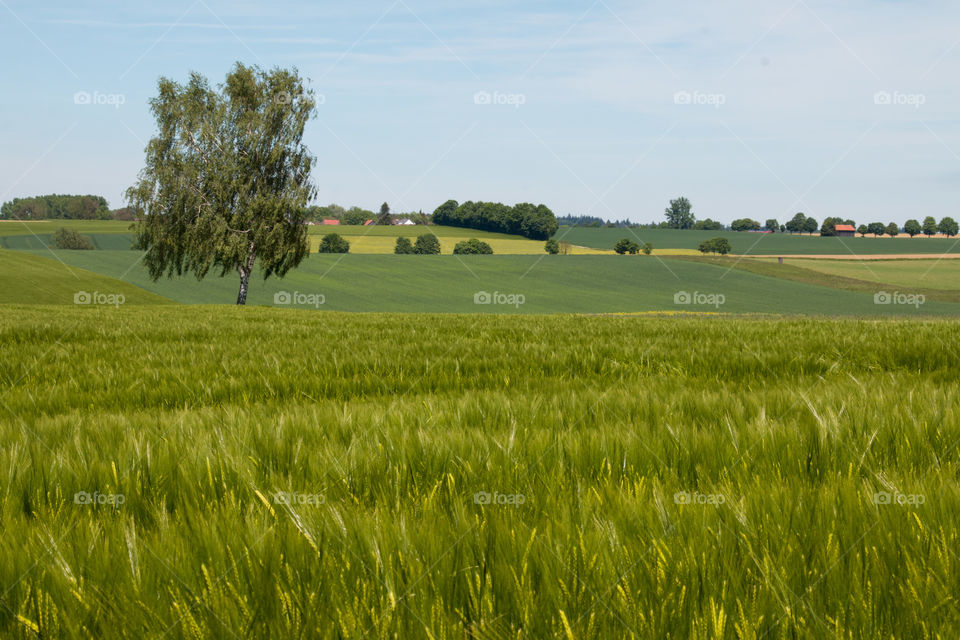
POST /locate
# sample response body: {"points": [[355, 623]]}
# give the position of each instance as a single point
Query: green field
{"points": [[548, 284], [745, 243], [933, 274], [209, 472]]}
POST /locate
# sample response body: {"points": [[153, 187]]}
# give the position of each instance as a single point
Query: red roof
{"points": [[325, 221], [844, 227], [368, 222]]}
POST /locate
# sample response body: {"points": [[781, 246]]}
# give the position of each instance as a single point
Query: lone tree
{"points": [[679, 214], [384, 217], [227, 177]]}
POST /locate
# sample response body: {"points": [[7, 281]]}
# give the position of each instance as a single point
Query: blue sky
{"points": [[606, 108]]}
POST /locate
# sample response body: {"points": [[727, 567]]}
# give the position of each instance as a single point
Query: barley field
{"points": [[210, 472]]}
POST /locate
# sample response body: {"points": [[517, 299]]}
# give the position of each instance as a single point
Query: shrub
{"points": [[334, 243], [552, 247], [715, 245], [65, 238], [625, 245], [427, 244], [473, 246], [647, 248], [404, 246]]}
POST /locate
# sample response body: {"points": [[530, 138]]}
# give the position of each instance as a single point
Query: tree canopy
{"points": [[532, 221], [56, 207], [227, 177], [679, 214]]}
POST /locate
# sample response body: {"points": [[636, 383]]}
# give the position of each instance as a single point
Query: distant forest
{"points": [[56, 207]]}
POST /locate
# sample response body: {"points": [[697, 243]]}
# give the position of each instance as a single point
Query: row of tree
{"points": [[358, 216], [532, 221], [56, 207]]}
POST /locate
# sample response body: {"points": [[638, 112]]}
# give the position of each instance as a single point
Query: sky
{"points": [[753, 109]]}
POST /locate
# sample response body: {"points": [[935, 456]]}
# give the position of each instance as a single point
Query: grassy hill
{"points": [[745, 243], [548, 284], [28, 278]]}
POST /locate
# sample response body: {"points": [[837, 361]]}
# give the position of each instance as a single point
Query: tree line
{"points": [[56, 207], [536, 222]]}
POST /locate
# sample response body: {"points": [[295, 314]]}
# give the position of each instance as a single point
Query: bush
{"points": [[404, 246], [426, 244], [625, 245], [67, 239], [552, 247], [473, 246], [334, 243], [715, 245], [647, 248]]}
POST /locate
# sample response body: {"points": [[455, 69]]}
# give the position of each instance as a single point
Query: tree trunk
{"points": [[245, 270]]}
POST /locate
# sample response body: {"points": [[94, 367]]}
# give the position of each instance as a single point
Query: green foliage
{"points": [[552, 246], [797, 224], [810, 225], [772, 225], [863, 230], [715, 245], [472, 246], [356, 216], [536, 222], [948, 226], [404, 246], [626, 245], [69, 239], [56, 207], [929, 226], [334, 243], [679, 214], [383, 218], [427, 244], [707, 225], [226, 180], [646, 248], [745, 224], [892, 229], [876, 229], [911, 227]]}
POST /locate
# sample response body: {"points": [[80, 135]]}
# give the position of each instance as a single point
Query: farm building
{"points": [[404, 221], [330, 221], [845, 230]]}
